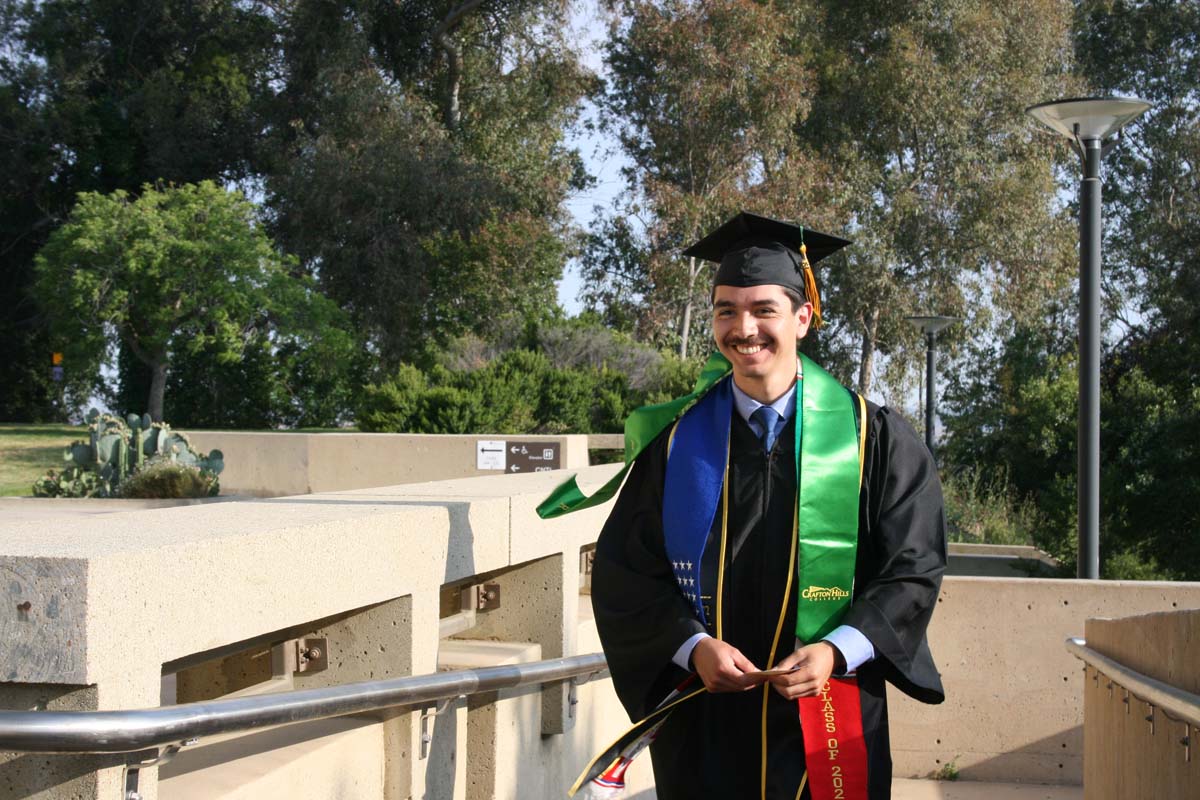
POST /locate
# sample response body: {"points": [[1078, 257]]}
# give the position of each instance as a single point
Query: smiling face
{"points": [[756, 328]]}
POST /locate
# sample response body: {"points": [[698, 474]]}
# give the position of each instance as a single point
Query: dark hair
{"points": [[795, 297]]}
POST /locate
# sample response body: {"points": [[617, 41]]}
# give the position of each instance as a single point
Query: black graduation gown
{"points": [[711, 746]]}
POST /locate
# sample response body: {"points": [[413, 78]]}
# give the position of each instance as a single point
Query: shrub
{"points": [[394, 404], [446, 409], [520, 391], [988, 511], [71, 482], [161, 478]]}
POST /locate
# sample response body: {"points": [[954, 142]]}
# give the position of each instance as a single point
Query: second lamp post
{"points": [[930, 327]]}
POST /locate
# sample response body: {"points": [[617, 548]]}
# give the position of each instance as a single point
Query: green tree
{"points": [[702, 97], [175, 270], [419, 164], [99, 96], [920, 112], [900, 124], [1010, 424]]}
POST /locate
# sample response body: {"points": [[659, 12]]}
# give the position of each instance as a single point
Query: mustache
{"points": [[747, 341]]}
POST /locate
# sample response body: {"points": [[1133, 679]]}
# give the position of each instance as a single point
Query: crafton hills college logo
{"points": [[823, 593]]}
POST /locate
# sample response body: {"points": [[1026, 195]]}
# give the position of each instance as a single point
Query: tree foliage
{"points": [[519, 392], [99, 96], [702, 97], [175, 270], [338, 115], [899, 123], [1019, 415], [419, 218]]}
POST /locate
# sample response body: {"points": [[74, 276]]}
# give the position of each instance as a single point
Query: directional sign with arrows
{"points": [[489, 455], [513, 457]]}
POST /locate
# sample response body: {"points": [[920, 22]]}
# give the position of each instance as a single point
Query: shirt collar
{"points": [[746, 405]]}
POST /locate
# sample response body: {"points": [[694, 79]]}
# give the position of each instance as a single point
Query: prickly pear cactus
{"points": [[117, 448]]}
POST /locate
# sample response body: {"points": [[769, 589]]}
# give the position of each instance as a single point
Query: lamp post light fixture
{"points": [[1088, 122], [930, 327]]}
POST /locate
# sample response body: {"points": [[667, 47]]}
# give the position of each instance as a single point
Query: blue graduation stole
{"points": [[692, 490]]}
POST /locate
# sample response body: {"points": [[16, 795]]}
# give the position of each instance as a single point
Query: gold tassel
{"points": [[810, 286]]}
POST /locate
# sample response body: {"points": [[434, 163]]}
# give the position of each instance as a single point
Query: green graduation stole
{"points": [[830, 463], [829, 471], [642, 426]]}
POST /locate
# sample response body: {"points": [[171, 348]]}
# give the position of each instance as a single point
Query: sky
{"points": [[600, 153]]}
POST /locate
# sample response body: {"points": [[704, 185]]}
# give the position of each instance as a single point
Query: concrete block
{"points": [[49, 777], [42, 624], [1013, 710], [166, 584], [479, 525], [223, 676], [331, 759], [535, 599], [281, 463], [446, 767], [503, 727]]}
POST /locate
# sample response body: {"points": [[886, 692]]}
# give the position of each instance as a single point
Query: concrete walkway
{"points": [[978, 790], [903, 789]]}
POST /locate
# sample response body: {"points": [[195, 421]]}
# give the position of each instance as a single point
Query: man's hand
{"points": [[814, 664], [722, 666]]}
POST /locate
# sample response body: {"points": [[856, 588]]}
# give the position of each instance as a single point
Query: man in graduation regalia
{"points": [[780, 523]]}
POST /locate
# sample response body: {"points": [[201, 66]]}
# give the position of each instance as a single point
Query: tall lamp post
{"points": [[1088, 122], [930, 327]]}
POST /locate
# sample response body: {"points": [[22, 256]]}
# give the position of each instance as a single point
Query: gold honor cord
{"points": [[803, 782], [862, 436], [787, 593], [658, 712], [724, 538]]}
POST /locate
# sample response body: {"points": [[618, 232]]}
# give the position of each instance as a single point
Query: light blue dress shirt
{"points": [[856, 649]]}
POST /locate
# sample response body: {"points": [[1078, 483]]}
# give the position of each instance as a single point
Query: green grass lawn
{"points": [[27, 451]]}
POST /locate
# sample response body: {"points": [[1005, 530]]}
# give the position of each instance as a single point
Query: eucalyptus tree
{"points": [[1016, 414], [702, 97], [420, 164], [899, 124], [919, 109]]}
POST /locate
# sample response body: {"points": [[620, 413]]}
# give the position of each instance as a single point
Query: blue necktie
{"points": [[767, 420]]}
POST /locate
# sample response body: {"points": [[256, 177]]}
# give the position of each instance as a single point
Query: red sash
{"points": [[834, 749]]}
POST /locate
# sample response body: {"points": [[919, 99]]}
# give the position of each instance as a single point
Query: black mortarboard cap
{"points": [[756, 251]]}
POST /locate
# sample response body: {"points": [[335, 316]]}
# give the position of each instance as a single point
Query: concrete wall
{"points": [[1014, 695], [1133, 751], [98, 605], [282, 464]]}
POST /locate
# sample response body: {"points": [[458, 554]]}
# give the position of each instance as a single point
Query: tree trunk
{"points": [[867, 361], [687, 309], [454, 62], [158, 386], [453, 114]]}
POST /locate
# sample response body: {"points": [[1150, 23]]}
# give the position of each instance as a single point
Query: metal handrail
{"points": [[145, 729], [1177, 703]]}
